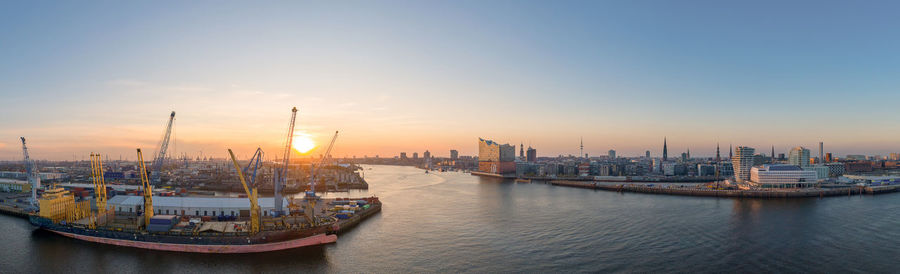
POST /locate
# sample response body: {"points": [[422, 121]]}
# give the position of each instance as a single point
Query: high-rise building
{"points": [[531, 155], [665, 151], [427, 154], [821, 152], [799, 156], [829, 158], [454, 155], [415, 155], [403, 155], [612, 154], [647, 153], [742, 161], [894, 156]]}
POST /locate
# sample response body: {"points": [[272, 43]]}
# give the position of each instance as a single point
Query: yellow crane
{"points": [[99, 183], [251, 194], [148, 191]]}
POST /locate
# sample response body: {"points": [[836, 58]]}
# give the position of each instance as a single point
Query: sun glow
{"points": [[303, 143]]}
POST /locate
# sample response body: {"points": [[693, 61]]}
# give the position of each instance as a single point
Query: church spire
{"points": [[665, 150]]}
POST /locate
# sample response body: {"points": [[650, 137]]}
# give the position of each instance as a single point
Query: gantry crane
{"points": [[31, 172], [161, 154], [280, 178], [99, 183], [148, 190], [250, 190]]}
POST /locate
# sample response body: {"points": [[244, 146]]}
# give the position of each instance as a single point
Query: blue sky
{"points": [[395, 76]]}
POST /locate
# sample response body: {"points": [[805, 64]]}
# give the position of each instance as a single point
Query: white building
{"points": [[782, 176], [742, 162]]}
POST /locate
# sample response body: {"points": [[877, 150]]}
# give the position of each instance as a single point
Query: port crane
{"points": [[148, 190], [161, 154], [311, 194], [250, 189], [99, 183], [31, 172], [280, 178]]}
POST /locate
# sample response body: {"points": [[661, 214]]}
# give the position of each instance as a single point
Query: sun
{"points": [[303, 143]]}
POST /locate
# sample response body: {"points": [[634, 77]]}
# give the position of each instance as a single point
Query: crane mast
{"points": [[280, 180], [148, 191], [161, 154], [311, 195], [251, 194], [99, 183], [32, 174]]}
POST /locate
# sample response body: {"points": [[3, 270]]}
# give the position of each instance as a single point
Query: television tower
{"points": [[582, 148]]}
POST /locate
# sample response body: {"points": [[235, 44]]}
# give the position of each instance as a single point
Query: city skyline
{"points": [[77, 78]]}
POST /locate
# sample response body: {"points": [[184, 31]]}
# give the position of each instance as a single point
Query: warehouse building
{"points": [[193, 206]]}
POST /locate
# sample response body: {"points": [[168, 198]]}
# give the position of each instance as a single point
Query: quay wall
{"points": [[730, 193]]}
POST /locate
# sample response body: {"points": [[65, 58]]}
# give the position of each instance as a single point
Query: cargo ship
{"points": [[172, 233], [97, 222]]}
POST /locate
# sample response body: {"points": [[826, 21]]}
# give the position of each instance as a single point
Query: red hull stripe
{"points": [[318, 239]]}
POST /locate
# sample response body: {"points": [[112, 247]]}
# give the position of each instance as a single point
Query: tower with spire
{"points": [[522, 151], [773, 154], [689, 153], [581, 147], [730, 152], [665, 150], [718, 160]]}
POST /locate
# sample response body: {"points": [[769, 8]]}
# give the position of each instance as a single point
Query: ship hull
{"points": [[265, 241], [318, 239]]}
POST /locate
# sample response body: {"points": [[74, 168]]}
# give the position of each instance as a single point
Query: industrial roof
{"points": [[202, 202], [782, 167]]}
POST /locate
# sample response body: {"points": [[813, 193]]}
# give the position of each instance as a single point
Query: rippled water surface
{"points": [[455, 222]]}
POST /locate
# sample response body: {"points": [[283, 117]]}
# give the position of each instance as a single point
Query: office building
{"points": [[454, 155], [427, 154], [742, 160], [821, 153], [782, 176], [531, 155], [647, 154], [799, 156], [415, 155], [612, 154]]}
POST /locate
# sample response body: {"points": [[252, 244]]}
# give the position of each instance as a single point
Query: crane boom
{"points": [[312, 173], [163, 146], [32, 174], [280, 180], [251, 194], [148, 191]]}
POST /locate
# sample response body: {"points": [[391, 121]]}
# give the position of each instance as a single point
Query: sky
{"points": [[407, 76]]}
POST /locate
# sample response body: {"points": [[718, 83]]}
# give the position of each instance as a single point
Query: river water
{"points": [[455, 222]]}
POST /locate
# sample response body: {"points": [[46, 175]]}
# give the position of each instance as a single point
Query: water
{"points": [[455, 222]]}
